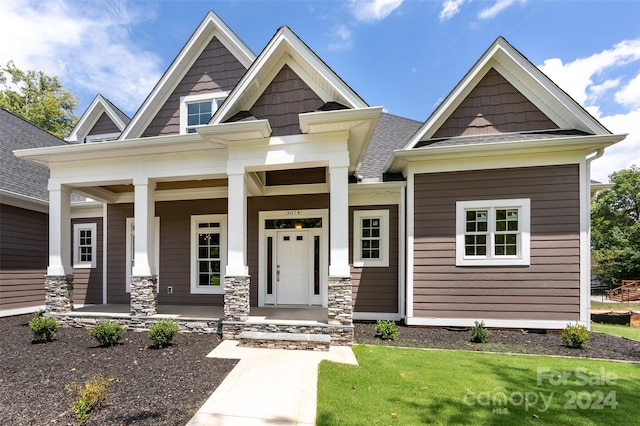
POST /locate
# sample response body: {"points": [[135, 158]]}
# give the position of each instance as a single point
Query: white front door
{"points": [[293, 267]]}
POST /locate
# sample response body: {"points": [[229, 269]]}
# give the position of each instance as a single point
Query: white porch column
{"points": [[143, 295], [59, 231], [144, 214], [237, 227], [339, 222], [59, 279]]}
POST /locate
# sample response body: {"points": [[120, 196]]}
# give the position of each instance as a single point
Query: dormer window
{"points": [[197, 110]]}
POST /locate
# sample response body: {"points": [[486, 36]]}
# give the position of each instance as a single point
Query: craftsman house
{"points": [[247, 185]]}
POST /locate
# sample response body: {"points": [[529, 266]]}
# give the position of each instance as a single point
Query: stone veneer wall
{"points": [[341, 335], [144, 295], [58, 293]]}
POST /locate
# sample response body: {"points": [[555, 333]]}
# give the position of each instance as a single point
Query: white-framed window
{"points": [[102, 137], [493, 232], [208, 253], [371, 238], [85, 236], [197, 110], [130, 250]]}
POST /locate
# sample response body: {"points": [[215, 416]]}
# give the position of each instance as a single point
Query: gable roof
{"points": [[552, 101], [19, 177], [212, 26], [286, 48], [99, 106]]}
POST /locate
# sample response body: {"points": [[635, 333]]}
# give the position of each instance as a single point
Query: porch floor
{"points": [[212, 313]]}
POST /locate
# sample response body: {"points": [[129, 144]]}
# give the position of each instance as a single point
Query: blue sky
{"points": [[404, 55]]}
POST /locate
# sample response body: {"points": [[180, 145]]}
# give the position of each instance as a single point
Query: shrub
{"points": [[479, 334], [161, 333], [88, 397], [386, 330], [107, 333], [575, 336], [39, 313], [44, 328]]}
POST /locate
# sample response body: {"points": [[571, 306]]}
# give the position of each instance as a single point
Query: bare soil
{"points": [[149, 386], [602, 346]]}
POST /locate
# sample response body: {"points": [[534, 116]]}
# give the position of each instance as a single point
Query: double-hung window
{"points": [[197, 110], [208, 253], [493, 232], [84, 245], [371, 238]]}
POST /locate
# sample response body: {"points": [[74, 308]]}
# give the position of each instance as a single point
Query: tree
{"points": [[615, 228], [38, 98]]}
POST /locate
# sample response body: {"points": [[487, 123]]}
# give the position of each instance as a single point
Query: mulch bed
{"points": [[167, 386], [600, 345], [150, 386]]}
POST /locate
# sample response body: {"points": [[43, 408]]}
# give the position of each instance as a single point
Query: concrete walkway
{"points": [[267, 386]]}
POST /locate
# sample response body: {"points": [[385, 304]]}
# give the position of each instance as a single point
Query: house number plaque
{"points": [[294, 212]]}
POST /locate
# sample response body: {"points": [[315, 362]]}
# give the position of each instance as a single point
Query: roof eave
{"points": [[585, 144]]}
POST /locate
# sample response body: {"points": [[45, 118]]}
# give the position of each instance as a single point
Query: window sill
{"points": [[207, 290], [493, 262], [84, 266], [370, 264]]}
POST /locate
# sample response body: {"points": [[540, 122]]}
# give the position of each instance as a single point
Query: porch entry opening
{"points": [[293, 260]]}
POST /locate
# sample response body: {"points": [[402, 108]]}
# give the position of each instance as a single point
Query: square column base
{"points": [[144, 295], [340, 295], [58, 293], [236, 298]]}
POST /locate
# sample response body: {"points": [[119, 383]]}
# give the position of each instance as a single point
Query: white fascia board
{"points": [[525, 76], [331, 121], [98, 106], [370, 194], [236, 131], [211, 26], [285, 48], [583, 144], [116, 149], [23, 201]]}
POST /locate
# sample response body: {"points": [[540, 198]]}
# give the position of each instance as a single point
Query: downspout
{"points": [[599, 153]]}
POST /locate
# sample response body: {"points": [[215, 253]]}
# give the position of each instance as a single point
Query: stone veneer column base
{"points": [[58, 293], [236, 305], [340, 309], [144, 295]]}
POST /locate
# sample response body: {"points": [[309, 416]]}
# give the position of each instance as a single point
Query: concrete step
{"points": [[300, 341]]}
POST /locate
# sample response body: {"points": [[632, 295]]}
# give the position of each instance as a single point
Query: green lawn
{"points": [[618, 306], [617, 330], [413, 386]]}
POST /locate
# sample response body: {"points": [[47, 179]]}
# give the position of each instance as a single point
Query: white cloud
{"points": [[86, 45], [450, 8], [341, 38], [373, 10], [630, 94], [577, 79], [498, 7]]}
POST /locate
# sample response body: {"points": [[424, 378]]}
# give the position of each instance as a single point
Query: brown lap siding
{"points": [[548, 289], [375, 289]]}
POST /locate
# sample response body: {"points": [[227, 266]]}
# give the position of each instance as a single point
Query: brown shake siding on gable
{"points": [[286, 97], [104, 125], [548, 289], [375, 289], [215, 70], [494, 106], [24, 254]]}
